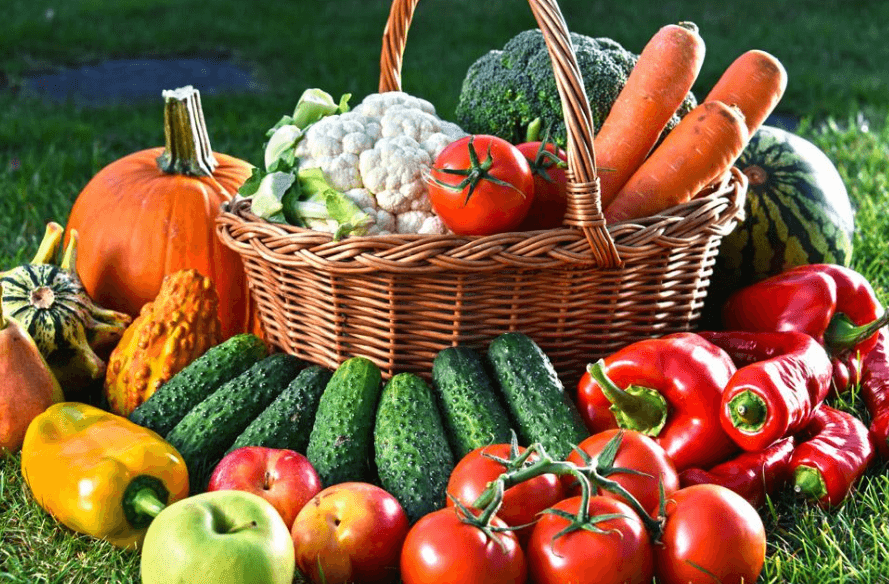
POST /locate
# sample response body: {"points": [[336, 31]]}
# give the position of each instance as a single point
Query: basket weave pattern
{"points": [[580, 291]]}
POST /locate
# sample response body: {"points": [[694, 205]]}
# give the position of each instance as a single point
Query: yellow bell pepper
{"points": [[100, 474]]}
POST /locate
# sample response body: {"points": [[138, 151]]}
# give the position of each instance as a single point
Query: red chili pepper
{"points": [[668, 388], [846, 372], [834, 304], [781, 380], [836, 450], [753, 475], [875, 391]]}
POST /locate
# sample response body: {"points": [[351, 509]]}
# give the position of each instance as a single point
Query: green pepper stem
{"points": [[843, 335], [748, 411], [143, 499], [808, 481], [146, 501], [187, 145], [636, 408]]}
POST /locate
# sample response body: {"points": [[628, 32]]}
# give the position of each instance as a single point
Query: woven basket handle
{"points": [[584, 202]]}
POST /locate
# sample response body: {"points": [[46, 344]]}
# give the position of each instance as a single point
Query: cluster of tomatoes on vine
{"points": [[611, 512]]}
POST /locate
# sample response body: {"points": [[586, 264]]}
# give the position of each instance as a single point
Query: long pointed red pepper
{"points": [[753, 475], [834, 304], [668, 388], [782, 378], [836, 450], [875, 391]]}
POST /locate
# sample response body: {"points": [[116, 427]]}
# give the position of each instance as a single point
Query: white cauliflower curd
{"points": [[376, 154]]}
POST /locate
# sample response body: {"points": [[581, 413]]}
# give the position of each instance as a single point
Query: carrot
{"points": [[755, 82], [663, 75], [702, 146]]}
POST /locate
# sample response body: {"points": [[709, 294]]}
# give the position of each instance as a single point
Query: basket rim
{"points": [[713, 212]]}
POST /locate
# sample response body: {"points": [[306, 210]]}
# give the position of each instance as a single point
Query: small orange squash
{"points": [[153, 212], [171, 331]]}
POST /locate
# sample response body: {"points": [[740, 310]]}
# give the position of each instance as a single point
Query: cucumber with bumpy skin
{"points": [[197, 380], [340, 444], [541, 409], [287, 422], [411, 450], [472, 411], [205, 433]]}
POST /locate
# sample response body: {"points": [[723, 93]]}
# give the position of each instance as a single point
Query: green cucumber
{"points": [[340, 444], [197, 380], [411, 450], [472, 411], [536, 399], [287, 422], [205, 433]]}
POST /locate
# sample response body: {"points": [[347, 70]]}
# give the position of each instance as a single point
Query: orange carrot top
{"points": [[755, 82]]}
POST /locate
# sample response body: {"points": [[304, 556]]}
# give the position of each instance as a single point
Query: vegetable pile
{"points": [[485, 468]]}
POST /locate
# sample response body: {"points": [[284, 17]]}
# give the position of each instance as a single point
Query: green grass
{"points": [[836, 63]]}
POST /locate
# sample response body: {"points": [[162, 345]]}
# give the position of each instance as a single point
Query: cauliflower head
{"points": [[377, 154]]}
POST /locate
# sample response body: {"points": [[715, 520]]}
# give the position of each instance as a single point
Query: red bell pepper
{"points": [[834, 304], [753, 475], [782, 378], [835, 450], [875, 392], [669, 388]]}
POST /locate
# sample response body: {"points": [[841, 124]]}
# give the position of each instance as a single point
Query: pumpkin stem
{"points": [[187, 148]]}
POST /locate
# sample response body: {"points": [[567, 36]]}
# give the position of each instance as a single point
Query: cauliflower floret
{"points": [[380, 150], [382, 222]]}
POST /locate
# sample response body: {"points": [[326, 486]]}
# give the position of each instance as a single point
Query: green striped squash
{"points": [[50, 302], [797, 212]]}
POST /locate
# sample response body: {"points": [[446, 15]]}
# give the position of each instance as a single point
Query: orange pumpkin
{"points": [[152, 213]]}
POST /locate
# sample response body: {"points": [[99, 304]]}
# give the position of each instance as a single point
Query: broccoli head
{"points": [[505, 90]]}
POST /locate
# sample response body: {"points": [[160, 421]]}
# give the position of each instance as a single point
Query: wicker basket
{"points": [[580, 291]]}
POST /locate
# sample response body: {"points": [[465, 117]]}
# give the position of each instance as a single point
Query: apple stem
{"points": [[247, 525]]}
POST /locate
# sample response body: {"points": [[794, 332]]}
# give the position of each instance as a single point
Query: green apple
{"points": [[223, 537]]}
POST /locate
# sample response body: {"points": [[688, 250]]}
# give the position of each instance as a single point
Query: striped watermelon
{"points": [[797, 212]]}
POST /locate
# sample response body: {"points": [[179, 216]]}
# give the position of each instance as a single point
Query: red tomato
{"points": [[352, 532], [441, 548], [550, 187], [711, 534], [620, 554], [637, 452], [490, 207], [521, 502]]}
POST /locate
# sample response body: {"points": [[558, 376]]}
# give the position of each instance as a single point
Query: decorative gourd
{"points": [[153, 212], [797, 212], [52, 305], [27, 385], [171, 331]]}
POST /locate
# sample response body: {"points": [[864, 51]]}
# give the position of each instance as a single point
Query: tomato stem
{"points": [[588, 477], [477, 172]]}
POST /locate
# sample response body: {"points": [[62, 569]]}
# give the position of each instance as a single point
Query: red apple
{"points": [[284, 478], [350, 532]]}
